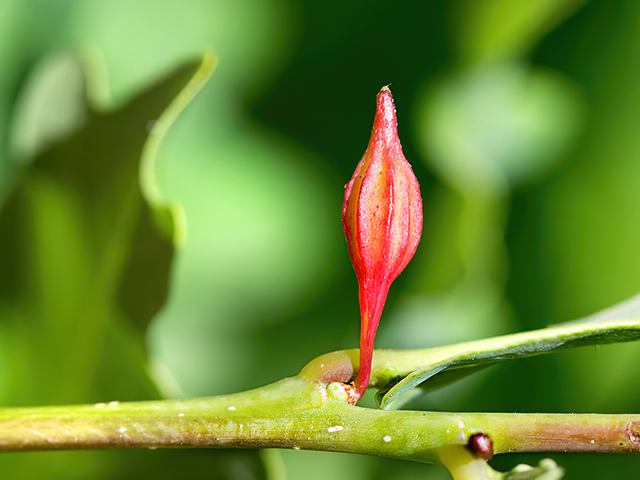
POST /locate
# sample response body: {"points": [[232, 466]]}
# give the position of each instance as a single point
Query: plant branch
{"points": [[299, 413]]}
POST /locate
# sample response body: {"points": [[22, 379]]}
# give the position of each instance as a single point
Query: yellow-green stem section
{"points": [[298, 413]]}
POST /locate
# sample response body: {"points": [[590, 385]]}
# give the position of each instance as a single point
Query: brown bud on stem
{"points": [[481, 445]]}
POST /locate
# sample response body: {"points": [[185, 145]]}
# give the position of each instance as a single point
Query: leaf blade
{"points": [[482, 353]]}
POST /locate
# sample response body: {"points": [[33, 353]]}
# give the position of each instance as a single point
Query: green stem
{"points": [[298, 413]]}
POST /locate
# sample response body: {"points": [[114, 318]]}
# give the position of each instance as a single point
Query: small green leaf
{"points": [[546, 469], [443, 365]]}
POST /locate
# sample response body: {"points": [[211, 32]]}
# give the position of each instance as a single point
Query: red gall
{"points": [[382, 221]]}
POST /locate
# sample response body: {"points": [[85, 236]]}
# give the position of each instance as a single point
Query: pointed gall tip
{"points": [[386, 110]]}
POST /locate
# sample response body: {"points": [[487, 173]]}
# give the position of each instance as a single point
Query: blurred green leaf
{"points": [[491, 127], [499, 30], [546, 469], [455, 361], [81, 254]]}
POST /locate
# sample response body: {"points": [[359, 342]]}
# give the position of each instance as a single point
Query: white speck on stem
{"points": [[386, 438], [122, 429], [337, 428]]}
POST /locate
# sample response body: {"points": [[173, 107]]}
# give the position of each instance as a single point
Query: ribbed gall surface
{"points": [[382, 221]]}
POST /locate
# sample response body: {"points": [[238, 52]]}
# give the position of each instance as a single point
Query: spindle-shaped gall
{"points": [[382, 221]]}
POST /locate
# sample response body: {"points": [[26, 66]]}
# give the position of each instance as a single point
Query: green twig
{"points": [[298, 413]]}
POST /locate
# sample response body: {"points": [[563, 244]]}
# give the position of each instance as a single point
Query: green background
{"points": [[521, 122]]}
